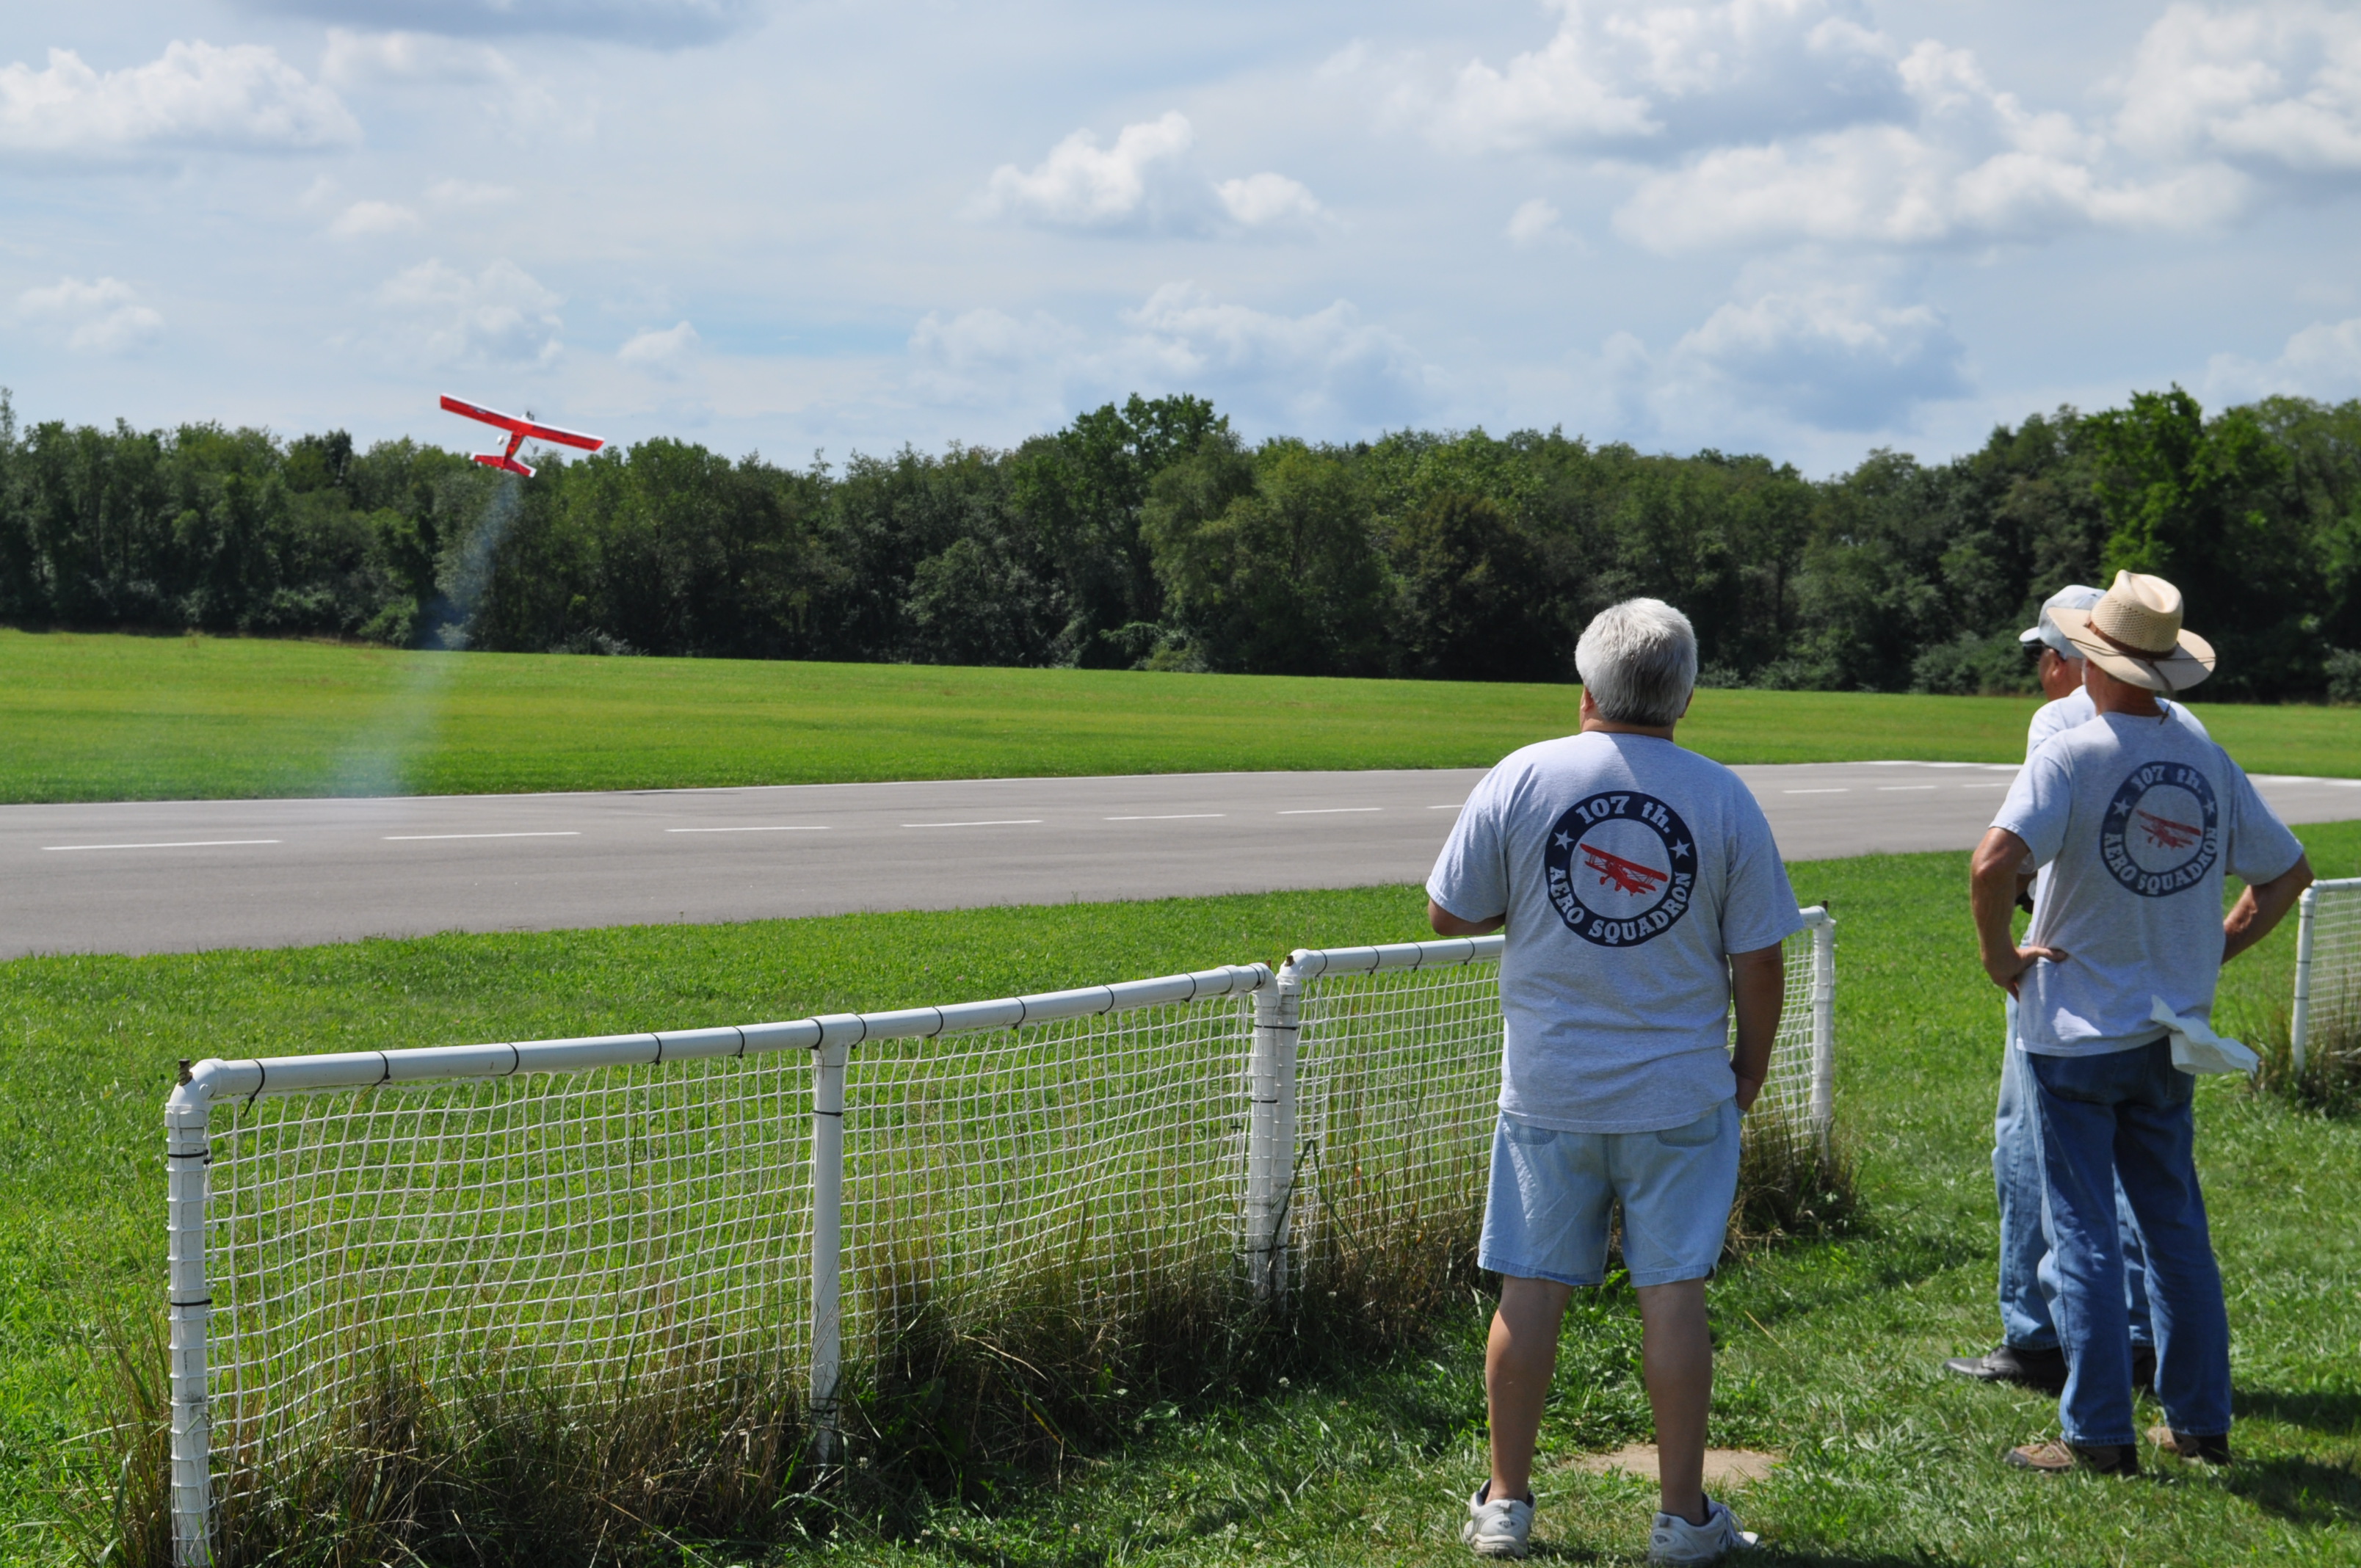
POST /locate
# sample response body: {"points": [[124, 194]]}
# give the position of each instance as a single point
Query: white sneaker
{"points": [[1497, 1528], [1675, 1540]]}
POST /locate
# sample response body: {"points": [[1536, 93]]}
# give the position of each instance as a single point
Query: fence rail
{"points": [[686, 1203]]}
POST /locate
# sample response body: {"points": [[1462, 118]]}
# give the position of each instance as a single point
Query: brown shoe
{"points": [[2209, 1450], [2058, 1458]]}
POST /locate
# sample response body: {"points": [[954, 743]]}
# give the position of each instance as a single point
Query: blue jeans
{"points": [[2124, 1116], [2025, 1279]]}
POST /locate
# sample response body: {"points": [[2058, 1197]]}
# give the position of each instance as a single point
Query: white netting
{"points": [[613, 1233], [2332, 1021], [1398, 1083], [596, 1235], [1084, 1171]]}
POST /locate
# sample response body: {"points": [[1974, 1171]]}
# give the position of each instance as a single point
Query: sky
{"points": [[803, 227]]}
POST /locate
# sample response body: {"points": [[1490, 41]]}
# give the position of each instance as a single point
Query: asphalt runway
{"points": [[182, 876]]}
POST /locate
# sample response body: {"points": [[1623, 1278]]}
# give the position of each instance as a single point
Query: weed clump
{"points": [[1791, 1184], [2330, 1080]]}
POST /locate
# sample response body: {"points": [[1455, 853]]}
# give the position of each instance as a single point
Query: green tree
{"points": [[2212, 505]]}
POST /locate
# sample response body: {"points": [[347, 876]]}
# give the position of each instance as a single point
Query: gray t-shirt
{"points": [[2138, 821], [1628, 870], [2076, 708]]}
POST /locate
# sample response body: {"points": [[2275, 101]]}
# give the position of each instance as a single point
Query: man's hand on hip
{"points": [[1991, 896]]}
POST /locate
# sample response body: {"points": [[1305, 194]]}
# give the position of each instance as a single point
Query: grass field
{"points": [[1829, 1350], [118, 717]]}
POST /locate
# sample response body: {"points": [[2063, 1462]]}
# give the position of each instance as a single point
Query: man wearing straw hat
{"points": [[2028, 1353], [2136, 821]]}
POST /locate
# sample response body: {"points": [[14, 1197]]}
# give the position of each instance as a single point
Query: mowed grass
{"points": [[1829, 1351], [121, 717]]}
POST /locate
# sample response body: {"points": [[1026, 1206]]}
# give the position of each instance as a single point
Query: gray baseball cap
{"points": [[2073, 595]]}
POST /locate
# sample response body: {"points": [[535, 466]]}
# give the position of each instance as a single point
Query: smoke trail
{"points": [[380, 760]]}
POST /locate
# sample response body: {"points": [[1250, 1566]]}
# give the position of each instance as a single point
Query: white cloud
{"points": [[365, 218], [663, 353], [100, 317], [443, 316], [2278, 86], [356, 58], [1145, 183], [1533, 220], [1083, 185], [517, 104], [1830, 356], [1667, 75], [1318, 369], [2323, 360], [1268, 200], [1324, 371], [1975, 165], [194, 96], [469, 193], [1888, 186]]}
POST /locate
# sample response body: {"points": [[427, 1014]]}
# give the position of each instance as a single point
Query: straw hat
{"points": [[2134, 634]]}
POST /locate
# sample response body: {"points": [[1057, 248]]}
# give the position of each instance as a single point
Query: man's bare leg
{"points": [[1518, 1361], [1676, 1354]]}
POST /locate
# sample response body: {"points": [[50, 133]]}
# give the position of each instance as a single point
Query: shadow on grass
{"points": [[2302, 1491], [2336, 1414]]}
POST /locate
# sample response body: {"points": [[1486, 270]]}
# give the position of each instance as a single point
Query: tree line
{"points": [[1150, 535]]}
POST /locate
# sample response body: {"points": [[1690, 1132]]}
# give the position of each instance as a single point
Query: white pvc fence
{"points": [[697, 1212], [2327, 964]]}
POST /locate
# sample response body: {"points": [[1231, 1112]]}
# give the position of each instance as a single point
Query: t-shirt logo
{"points": [[2162, 831], [1621, 869]]}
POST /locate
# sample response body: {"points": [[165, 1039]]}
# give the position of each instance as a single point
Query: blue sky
{"points": [[1800, 226]]}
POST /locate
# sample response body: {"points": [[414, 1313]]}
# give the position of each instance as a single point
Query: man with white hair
{"points": [[1642, 894], [2138, 821], [2028, 1353]]}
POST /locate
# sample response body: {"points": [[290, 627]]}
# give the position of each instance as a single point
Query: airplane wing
{"points": [[525, 427]]}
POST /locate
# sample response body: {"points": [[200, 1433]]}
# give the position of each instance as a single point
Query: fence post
{"points": [[1270, 1132], [188, 1151], [1823, 1028], [827, 1245], [2299, 1021]]}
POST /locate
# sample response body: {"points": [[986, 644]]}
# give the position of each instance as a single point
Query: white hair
{"points": [[1638, 660]]}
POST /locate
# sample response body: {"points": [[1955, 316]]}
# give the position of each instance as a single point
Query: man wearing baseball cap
{"points": [[2136, 821], [2028, 1353]]}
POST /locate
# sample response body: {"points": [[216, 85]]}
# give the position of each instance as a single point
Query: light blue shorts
{"points": [[1551, 1194]]}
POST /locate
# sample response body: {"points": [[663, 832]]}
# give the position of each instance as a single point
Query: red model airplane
{"points": [[1627, 876], [519, 430]]}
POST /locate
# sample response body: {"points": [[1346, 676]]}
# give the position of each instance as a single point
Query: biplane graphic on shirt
{"points": [[1628, 876], [2161, 834], [1619, 868], [2167, 834]]}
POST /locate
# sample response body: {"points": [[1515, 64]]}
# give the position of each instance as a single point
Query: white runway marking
{"points": [[1455, 806], [1168, 817], [185, 844], [1328, 810], [1000, 822], [548, 833], [796, 829]]}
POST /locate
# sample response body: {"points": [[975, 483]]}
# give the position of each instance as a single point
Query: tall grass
{"points": [[2330, 1080]]}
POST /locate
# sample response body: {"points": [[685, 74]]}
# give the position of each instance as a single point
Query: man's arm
{"points": [[2262, 906], [1446, 923], [1758, 989], [1991, 894]]}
